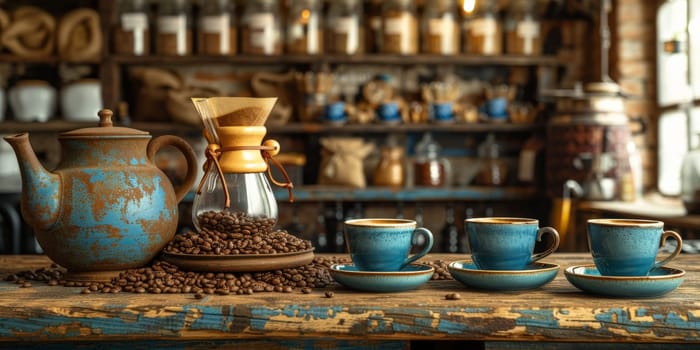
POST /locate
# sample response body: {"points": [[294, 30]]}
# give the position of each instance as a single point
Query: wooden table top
{"points": [[555, 312]]}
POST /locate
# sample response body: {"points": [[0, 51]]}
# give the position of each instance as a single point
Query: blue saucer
{"points": [[535, 275], [659, 282], [408, 278]]}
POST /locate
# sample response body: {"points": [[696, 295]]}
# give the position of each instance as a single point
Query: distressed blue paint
{"points": [[261, 315], [322, 343], [536, 318], [378, 324], [41, 193], [677, 321], [623, 320], [125, 216], [217, 318], [478, 310], [451, 327], [118, 324]]}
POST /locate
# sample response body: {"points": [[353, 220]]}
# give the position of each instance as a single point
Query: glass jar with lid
{"points": [[174, 28], [399, 27], [430, 169], [131, 33], [304, 32], [483, 34], [494, 169], [440, 28], [522, 26], [344, 27], [217, 34], [261, 28]]}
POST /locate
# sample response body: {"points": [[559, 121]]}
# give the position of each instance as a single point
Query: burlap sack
{"points": [[342, 161]]}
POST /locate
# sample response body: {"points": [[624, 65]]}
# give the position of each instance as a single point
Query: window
{"points": [[678, 71]]}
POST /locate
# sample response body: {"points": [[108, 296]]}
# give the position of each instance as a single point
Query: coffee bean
{"points": [[306, 290], [453, 296], [199, 295], [328, 294], [25, 285]]}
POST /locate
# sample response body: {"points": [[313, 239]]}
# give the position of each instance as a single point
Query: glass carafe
{"points": [[429, 168], [235, 196]]}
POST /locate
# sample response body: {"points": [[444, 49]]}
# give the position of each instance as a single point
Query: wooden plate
{"points": [[239, 263]]}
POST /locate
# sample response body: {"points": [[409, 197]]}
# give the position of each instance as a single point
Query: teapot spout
{"points": [[41, 193]]}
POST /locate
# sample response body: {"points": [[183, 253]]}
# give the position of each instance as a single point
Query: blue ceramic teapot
{"points": [[106, 207]]}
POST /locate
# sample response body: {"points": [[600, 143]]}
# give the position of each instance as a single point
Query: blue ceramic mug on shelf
{"points": [[501, 243], [335, 112], [384, 244], [628, 247], [388, 112], [442, 112]]}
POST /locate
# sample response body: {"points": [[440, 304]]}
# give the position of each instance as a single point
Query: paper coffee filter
{"points": [[241, 111]]}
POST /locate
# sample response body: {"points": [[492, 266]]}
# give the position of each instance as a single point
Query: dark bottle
{"points": [[321, 236], [450, 232], [338, 245]]}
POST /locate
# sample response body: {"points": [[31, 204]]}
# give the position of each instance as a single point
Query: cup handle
{"points": [[675, 253], [420, 231], [552, 247]]}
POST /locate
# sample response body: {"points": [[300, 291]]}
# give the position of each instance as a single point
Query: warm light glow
{"points": [[468, 6], [305, 14]]}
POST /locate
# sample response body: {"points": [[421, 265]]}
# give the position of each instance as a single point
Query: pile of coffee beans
{"points": [[233, 233], [208, 242], [441, 271], [234, 222], [162, 277]]}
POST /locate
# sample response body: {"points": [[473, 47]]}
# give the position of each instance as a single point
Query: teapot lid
{"points": [[105, 128]]}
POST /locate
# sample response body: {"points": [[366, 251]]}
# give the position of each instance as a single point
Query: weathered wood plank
{"points": [[556, 312]]}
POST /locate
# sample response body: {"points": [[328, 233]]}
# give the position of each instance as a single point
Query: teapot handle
{"points": [[184, 147]]}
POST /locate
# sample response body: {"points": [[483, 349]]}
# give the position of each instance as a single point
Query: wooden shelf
{"points": [[56, 125], [376, 59], [49, 60], [317, 193]]}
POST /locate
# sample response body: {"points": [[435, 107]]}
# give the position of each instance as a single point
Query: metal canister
{"points": [[589, 122]]}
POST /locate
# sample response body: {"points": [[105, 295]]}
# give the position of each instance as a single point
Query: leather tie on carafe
{"points": [[214, 151]]}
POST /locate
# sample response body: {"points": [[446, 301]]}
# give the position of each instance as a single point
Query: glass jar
{"points": [[217, 34], [440, 28], [690, 181], [131, 34], [174, 28], [523, 29], [304, 32], [483, 31], [399, 27], [344, 27], [429, 168], [494, 169], [261, 28]]}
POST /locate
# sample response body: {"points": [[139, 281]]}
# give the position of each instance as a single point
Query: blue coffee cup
{"points": [[501, 243], [388, 112], [384, 244], [335, 112], [628, 247], [442, 112]]}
